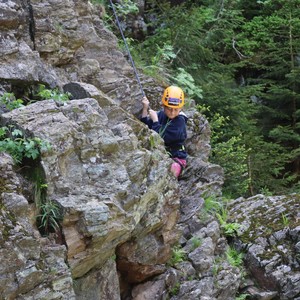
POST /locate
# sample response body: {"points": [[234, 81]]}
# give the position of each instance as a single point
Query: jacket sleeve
{"points": [[156, 126], [147, 121], [152, 125]]}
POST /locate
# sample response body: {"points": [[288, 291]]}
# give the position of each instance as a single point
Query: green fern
{"points": [[234, 258], [178, 255]]}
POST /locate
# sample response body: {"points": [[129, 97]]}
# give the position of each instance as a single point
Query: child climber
{"points": [[170, 123]]}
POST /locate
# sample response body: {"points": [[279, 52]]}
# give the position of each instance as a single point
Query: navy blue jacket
{"points": [[172, 131]]}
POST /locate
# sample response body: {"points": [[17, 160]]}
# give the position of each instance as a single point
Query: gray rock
{"points": [[112, 185], [27, 264], [269, 233]]}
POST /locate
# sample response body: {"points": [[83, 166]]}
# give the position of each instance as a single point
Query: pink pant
{"points": [[177, 166]]}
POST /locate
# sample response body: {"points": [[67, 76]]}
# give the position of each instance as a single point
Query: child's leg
{"points": [[177, 166]]}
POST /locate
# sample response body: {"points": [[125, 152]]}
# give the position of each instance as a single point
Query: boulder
{"points": [[269, 234]]}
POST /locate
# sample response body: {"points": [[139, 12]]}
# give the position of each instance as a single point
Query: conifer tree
{"points": [[244, 58], [272, 45]]}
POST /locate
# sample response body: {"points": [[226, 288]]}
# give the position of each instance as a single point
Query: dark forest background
{"points": [[239, 60]]}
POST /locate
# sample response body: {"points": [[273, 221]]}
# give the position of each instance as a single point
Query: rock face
{"points": [[114, 190], [111, 190], [270, 236], [30, 265], [98, 171], [122, 216], [56, 42], [117, 198]]}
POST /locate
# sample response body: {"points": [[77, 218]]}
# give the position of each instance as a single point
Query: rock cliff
{"points": [[121, 215]]}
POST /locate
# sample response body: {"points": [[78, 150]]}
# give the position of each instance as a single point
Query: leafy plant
{"points": [[157, 66], [54, 94], [40, 190], [218, 208], [175, 290], [215, 268], [242, 297], [178, 255], [10, 102], [187, 82], [234, 258], [49, 217], [211, 204], [113, 257], [14, 142], [285, 220], [230, 229], [163, 54], [126, 7], [196, 242], [265, 191]]}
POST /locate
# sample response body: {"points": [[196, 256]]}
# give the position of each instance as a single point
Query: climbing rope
{"points": [[127, 48]]}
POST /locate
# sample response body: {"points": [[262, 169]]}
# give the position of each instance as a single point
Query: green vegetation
{"points": [[242, 297], [178, 255], [49, 217], [40, 192], [187, 83], [212, 204], [229, 229], [216, 266], [234, 258], [54, 94], [196, 242], [13, 141], [285, 220], [175, 290], [239, 59], [20, 146], [157, 67], [217, 207], [126, 7], [48, 213], [10, 102], [231, 154]]}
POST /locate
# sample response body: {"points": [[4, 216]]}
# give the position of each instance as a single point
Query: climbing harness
{"points": [[175, 148], [127, 48]]}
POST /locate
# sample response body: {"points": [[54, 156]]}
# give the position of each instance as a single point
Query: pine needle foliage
{"points": [[240, 59]]}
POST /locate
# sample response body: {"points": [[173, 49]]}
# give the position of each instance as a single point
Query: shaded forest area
{"points": [[240, 61]]}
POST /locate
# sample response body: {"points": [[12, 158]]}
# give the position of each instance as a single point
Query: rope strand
{"points": [[127, 48]]}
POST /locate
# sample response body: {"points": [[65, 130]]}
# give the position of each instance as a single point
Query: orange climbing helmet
{"points": [[173, 97]]}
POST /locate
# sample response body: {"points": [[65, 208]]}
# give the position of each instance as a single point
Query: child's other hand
{"points": [[153, 115]]}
